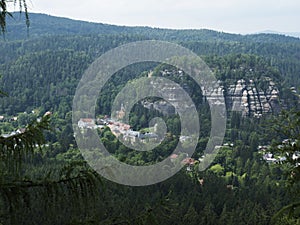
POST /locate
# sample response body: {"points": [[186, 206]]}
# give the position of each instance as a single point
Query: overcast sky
{"points": [[236, 16]]}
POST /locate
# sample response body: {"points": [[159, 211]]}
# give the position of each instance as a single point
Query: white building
{"points": [[87, 123]]}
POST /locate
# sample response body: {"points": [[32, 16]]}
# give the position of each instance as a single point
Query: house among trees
{"points": [[87, 123], [190, 162]]}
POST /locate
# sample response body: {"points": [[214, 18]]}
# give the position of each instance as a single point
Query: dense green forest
{"points": [[40, 71]]}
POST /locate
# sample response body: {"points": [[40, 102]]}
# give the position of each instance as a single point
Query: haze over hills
{"points": [[45, 25]]}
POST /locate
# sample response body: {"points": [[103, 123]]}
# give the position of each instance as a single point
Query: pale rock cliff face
{"points": [[250, 97], [245, 96]]}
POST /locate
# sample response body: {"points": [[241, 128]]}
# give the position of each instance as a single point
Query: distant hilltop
{"points": [[47, 25], [290, 34]]}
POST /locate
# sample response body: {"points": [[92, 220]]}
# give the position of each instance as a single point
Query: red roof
{"points": [[189, 161], [87, 120]]}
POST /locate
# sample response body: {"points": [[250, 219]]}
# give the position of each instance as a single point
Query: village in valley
{"points": [[121, 129], [9, 123], [272, 158], [126, 133], [124, 130], [117, 127]]}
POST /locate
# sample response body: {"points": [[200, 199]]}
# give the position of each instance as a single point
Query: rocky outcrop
{"points": [[253, 98]]}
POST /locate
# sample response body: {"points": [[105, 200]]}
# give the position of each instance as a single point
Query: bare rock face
{"points": [[253, 98]]}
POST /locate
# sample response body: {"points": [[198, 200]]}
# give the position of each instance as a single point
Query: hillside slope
{"points": [[43, 25]]}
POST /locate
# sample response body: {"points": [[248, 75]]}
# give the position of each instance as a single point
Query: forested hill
{"points": [[42, 65], [40, 69], [43, 25]]}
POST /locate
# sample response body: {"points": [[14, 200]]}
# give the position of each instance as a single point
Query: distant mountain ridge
{"points": [[46, 25], [291, 34]]}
